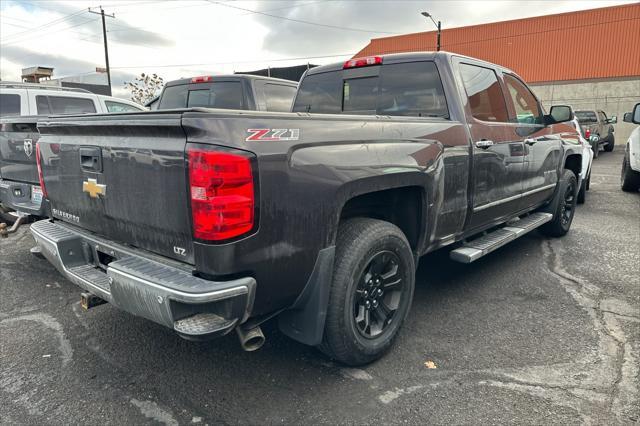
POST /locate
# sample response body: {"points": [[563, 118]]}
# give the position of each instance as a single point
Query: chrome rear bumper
{"points": [[158, 289]]}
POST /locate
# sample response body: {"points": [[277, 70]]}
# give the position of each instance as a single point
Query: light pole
{"points": [[437, 24]]}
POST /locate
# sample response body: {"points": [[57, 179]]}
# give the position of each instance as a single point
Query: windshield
{"points": [[405, 89]]}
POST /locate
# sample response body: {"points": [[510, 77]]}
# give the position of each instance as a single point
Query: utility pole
{"points": [[106, 48]]}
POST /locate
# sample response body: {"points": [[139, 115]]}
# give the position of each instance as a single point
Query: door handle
{"points": [[91, 159], [484, 143], [530, 141]]}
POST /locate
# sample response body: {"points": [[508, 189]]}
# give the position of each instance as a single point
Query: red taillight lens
{"points": [[362, 62], [40, 177], [202, 79], [222, 194], [587, 133]]}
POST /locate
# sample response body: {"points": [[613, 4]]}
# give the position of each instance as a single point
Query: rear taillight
{"points": [[222, 194], [40, 177], [587, 134], [362, 62], [202, 79]]}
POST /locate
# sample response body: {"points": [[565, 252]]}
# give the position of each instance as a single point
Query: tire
{"points": [[629, 179], [365, 249], [582, 192], [611, 141], [563, 206]]}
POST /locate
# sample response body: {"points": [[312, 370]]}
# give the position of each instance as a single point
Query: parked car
{"points": [[630, 179], [317, 217], [584, 180], [596, 123], [236, 91], [22, 105]]}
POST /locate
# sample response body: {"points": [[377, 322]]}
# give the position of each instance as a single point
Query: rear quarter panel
{"points": [[305, 183]]}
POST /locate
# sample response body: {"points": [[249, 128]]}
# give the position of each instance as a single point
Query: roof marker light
{"points": [[363, 62]]}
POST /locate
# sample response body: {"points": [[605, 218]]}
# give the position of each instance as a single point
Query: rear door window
{"points": [[9, 104], [404, 89], [279, 97], [484, 93], [113, 106], [63, 105]]}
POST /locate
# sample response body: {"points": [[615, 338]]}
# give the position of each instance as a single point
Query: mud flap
{"points": [[304, 321]]}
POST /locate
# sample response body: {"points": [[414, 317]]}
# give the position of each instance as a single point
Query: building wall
{"points": [[613, 96]]}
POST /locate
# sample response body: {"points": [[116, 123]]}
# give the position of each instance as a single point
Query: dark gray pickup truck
{"points": [[207, 221]]}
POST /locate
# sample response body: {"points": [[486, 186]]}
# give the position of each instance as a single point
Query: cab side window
{"points": [[486, 99], [528, 110]]}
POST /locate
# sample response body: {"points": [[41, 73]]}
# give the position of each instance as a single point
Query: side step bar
{"points": [[475, 249]]}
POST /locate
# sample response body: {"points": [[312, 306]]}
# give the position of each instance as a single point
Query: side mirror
{"points": [[560, 114], [635, 119], [627, 117], [613, 120]]}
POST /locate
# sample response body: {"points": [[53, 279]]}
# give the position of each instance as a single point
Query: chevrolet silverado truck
{"points": [[317, 216]]}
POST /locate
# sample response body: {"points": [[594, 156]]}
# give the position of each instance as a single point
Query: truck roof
{"points": [[235, 77], [404, 57]]}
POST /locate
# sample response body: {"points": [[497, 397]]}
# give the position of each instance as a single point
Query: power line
{"points": [[299, 20], [53, 32], [236, 62], [47, 24]]}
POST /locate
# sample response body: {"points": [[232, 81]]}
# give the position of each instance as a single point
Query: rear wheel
{"points": [[371, 292], [629, 179], [611, 141], [564, 206]]}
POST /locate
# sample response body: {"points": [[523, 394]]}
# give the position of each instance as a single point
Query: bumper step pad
{"points": [[475, 249]]}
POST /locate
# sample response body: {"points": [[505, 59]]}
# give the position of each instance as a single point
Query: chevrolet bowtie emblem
{"points": [[93, 188]]}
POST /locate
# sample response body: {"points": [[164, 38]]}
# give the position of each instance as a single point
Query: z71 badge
{"points": [[266, 135]]}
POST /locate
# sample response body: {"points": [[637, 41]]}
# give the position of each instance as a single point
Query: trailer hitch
{"points": [[4, 232]]}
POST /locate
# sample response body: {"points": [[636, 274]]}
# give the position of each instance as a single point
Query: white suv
{"points": [[19, 99]]}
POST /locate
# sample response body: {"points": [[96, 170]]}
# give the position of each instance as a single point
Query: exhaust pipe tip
{"points": [[252, 339]]}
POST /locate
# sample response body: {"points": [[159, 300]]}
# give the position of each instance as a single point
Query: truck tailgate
{"points": [[18, 137], [122, 177]]}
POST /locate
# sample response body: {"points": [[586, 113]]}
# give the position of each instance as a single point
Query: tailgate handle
{"points": [[91, 159]]}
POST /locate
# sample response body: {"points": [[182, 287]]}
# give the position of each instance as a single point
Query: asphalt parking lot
{"points": [[542, 331]]}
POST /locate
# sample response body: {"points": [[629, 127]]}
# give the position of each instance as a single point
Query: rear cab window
{"points": [[278, 97], [221, 94], [46, 105], [9, 104], [401, 89], [586, 117]]}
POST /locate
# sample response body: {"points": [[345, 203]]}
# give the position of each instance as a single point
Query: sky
{"points": [[185, 38]]}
